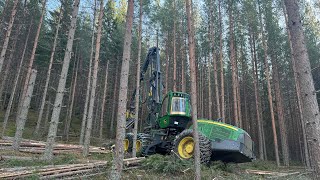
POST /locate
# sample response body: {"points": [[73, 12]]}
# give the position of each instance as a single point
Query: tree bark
{"points": [[114, 110], [308, 96], [48, 154], [22, 117], [121, 116], [45, 91], [223, 114], [3, 79], [233, 69], [193, 89], [256, 92], [214, 59], [280, 113], [103, 101], [174, 48], [85, 111], [69, 117], [33, 54], [87, 136], [137, 99], [267, 74], [7, 37], [298, 91], [6, 117]]}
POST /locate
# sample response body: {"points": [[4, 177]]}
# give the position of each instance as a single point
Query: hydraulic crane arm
{"points": [[154, 87]]}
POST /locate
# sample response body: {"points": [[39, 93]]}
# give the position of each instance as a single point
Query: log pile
{"points": [[271, 174], [38, 147], [71, 171], [54, 172]]}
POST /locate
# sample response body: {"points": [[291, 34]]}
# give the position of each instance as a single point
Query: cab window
{"points": [[178, 105]]}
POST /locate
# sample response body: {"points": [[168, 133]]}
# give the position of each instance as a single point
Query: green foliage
{"points": [[166, 164]]}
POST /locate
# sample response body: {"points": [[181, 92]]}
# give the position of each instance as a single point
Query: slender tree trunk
{"points": [[193, 89], [6, 117], [136, 115], [256, 93], [48, 154], [223, 114], [184, 57], [214, 60], [8, 67], [33, 54], [267, 74], [7, 37], [46, 119], [174, 48], [114, 110], [308, 96], [22, 117], [70, 112], [233, 69], [85, 111], [103, 101], [297, 86], [167, 62], [121, 117], [45, 91], [87, 136], [280, 113]]}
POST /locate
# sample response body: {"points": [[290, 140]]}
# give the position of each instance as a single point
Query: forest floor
{"points": [[154, 167]]}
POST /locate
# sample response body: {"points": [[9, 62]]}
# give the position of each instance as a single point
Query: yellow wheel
{"points": [[126, 144], [186, 147]]}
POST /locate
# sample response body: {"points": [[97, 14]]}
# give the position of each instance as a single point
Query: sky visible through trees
{"points": [[243, 52]]}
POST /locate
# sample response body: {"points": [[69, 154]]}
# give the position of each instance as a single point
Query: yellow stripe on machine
{"points": [[219, 124]]}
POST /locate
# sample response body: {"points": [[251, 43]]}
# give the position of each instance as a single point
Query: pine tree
{"points": [[87, 137], [194, 106], [308, 95], [48, 154], [121, 116]]}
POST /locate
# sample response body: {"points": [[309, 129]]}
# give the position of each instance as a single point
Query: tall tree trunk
{"points": [[85, 111], [70, 111], [121, 117], [308, 96], [256, 92], [174, 48], [48, 154], [33, 54], [103, 101], [193, 89], [184, 56], [280, 113], [6, 117], [3, 78], [87, 136], [45, 91], [7, 37], [22, 116], [223, 114], [233, 69], [114, 110], [136, 115], [167, 62], [267, 74], [297, 86], [214, 60]]}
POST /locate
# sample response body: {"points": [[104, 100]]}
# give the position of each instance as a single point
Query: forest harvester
{"points": [[169, 126]]}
